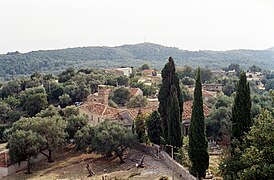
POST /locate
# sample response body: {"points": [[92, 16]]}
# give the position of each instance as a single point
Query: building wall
{"points": [[5, 171], [127, 71], [93, 118]]}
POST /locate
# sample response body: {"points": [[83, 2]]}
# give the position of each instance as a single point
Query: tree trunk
{"points": [[121, 158], [50, 160], [28, 165], [49, 156], [109, 154]]}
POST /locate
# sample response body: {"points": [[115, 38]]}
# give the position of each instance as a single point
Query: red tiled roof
{"points": [[111, 111], [148, 70], [188, 110], [134, 111], [134, 91], [100, 109], [97, 108], [206, 94]]}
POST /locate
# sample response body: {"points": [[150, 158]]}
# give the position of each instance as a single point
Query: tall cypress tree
{"points": [[174, 122], [197, 137], [169, 78], [241, 111]]}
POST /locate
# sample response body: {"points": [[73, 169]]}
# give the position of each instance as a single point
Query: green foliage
{"points": [[140, 126], [169, 79], [197, 138], [154, 128], [182, 155], [187, 75], [186, 94], [229, 87], [218, 125], [186, 71], [223, 101], [233, 66], [66, 75], [49, 112], [105, 57], [137, 101], [2, 129], [53, 89], [70, 111], [255, 68], [187, 81], [258, 158], [51, 131], [253, 157], [33, 100], [122, 81], [174, 121], [144, 66], [23, 145], [75, 123], [121, 95], [83, 138], [205, 73], [11, 88], [269, 85], [64, 100], [112, 137], [4, 111], [241, 111], [147, 90]]}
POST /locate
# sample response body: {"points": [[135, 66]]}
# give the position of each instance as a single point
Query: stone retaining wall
{"points": [[175, 166]]}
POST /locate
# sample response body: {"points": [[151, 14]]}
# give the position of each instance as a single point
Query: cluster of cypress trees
{"points": [[171, 108], [171, 105]]}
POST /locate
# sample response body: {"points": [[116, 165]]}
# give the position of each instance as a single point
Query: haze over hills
{"points": [[271, 49], [127, 55]]}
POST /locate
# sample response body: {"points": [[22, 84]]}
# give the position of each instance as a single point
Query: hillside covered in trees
{"points": [[18, 64]]}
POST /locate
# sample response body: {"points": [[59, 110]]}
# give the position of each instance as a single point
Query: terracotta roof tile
{"points": [[134, 111], [134, 91], [188, 110], [97, 108]]}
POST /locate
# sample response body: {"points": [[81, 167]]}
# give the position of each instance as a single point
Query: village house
{"points": [[136, 92], [97, 110], [149, 72], [213, 87], [126, 71], [187, 115], [209, 87]]}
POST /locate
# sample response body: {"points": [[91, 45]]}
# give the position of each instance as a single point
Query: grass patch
{"points": [[214, 161]]}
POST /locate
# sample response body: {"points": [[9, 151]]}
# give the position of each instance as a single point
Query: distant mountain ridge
{"points": [[271, 49], [127, 55]]}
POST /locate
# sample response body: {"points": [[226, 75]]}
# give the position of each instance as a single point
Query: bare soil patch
{"points": [[72, 165]]}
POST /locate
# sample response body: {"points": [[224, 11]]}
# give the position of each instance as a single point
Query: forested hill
{"points": [[127, 55]]}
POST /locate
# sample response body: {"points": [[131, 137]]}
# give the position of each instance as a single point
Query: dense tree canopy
{"points": [[112, 138], [137, 101], [121, 95]]}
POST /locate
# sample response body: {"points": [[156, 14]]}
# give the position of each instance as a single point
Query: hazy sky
{"points": [[27, 25]]}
